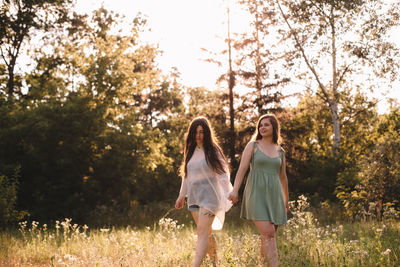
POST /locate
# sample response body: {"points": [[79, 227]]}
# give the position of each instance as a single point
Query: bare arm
{"points": [[244, 165], [284, 182]]}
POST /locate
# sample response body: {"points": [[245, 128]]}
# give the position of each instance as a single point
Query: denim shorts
{"points": [[194, 208]]}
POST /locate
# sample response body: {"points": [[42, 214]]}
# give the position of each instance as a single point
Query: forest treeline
{"points": [[91, 128]]}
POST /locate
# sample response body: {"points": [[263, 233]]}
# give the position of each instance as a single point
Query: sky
{"points": [[181, 28]]}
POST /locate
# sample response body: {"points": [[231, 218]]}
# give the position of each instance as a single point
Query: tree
{"points": [[231, 85], [230, 79], [213, 104], [306, 131], [377, 178], [347, 35], [21, 20], [95, 131], [258, 61], [306, 138]]}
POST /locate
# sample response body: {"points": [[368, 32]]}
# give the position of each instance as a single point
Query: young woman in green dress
{"points": [[266, 194]]}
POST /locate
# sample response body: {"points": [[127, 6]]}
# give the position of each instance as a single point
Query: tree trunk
{"points": [[231, 84], [10, 82], [334, 104], [331, 98], [258, 63], [336, 129]]}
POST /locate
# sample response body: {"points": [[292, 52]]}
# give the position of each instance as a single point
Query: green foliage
{"points": [[20, 20], [376, 184], [306, 132], [53, 143], [98, 131], [98, 135], [306, 139], [8, 199]]}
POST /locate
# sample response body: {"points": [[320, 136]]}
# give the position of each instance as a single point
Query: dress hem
{"points": [[274, 223]]}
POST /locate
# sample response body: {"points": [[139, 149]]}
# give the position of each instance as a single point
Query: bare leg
{"points": [[268, 249], [205, 241], [212, 247]]}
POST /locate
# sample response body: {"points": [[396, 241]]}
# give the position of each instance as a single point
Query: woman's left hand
{"points": [[180, 202]]}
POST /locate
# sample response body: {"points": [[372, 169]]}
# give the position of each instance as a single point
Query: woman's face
{"points": [[265, 127], [199, 135]]}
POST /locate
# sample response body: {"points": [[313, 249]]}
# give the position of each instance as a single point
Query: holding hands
{"points": [[233, 196]]}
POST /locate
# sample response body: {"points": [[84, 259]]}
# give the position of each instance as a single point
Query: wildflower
{"points": [[34, 225], [104, 230], [386, 252], [22, 225]]}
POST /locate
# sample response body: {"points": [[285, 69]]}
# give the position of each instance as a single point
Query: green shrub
{"points": [[8, 199]]}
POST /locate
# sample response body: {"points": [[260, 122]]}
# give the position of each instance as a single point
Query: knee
{"points": [[266, 235], [203, 231]]}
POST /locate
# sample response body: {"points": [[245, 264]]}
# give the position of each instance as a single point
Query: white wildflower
{"points": [[386, 252]]}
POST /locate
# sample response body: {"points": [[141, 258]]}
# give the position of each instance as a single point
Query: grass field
{"points": [[304, 241]]}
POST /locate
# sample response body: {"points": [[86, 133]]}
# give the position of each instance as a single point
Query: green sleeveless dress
{"points": [[263, 197]]}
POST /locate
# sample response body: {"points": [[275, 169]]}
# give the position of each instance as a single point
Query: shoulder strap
{"points": [[252, 154]]}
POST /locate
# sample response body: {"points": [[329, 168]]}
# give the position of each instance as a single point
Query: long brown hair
{"points": [[212, 150], [276, 129]]}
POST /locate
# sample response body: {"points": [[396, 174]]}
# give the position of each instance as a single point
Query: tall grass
{"points": [[169, 242]]}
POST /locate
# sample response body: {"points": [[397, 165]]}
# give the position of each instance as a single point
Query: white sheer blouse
{"points": [[207, 189]]}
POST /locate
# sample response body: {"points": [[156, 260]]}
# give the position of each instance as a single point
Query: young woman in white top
{"points": [[206, 183]]}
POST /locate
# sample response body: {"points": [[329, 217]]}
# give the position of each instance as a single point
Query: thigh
{"points": [[195, 215], [205, 219]]}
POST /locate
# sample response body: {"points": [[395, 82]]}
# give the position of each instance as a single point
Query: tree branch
{"points": [[344, 123], [341, 76], [2, 55], [329, 100], [320, 9]]}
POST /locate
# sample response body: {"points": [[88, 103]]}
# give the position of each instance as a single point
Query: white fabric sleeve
{"points": [[225, 183], [225, 176], [224, 179], [183, 190]]}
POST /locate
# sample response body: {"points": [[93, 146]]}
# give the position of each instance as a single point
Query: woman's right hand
{"points": [[180, 201], [233, 196]]}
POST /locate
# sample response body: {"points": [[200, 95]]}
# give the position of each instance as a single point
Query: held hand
{"points": [[180, 202], [233, 197], [287, 206]]}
